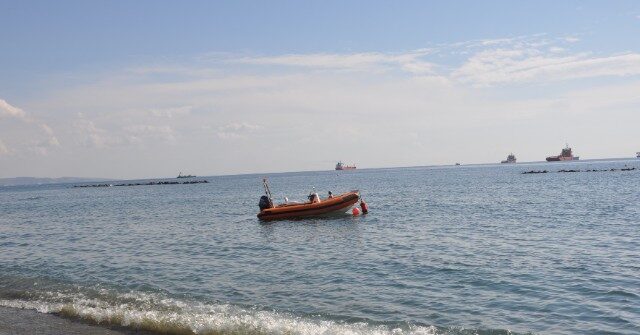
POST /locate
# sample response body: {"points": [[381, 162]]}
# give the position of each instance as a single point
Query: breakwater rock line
{"points": [[588, 170], [535, 171], [146, 184]]}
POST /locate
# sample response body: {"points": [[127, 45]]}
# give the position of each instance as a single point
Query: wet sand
{"points": [[15, 321]]}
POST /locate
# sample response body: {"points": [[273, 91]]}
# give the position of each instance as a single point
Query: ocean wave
{"points": [[157, 312], [31, 198], [160, 314]]}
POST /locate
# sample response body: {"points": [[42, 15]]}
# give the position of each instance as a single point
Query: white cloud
{"points": [[236, 130], [4, 150], [43, 146], [89, 135], [522, 59], [556, 49], [171, 112], [31, 128], [496, 41], [52, 140], [571, 39], [179, 70], [411, 61], [242, 126], [11, 111], [505, 66], [145, 131], [46, 129]]}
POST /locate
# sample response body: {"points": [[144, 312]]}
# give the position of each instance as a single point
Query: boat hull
{"points": [[337, 204], [561, 158]]}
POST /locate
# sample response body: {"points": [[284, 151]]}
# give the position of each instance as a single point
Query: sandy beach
{"points": [[15, 321]]}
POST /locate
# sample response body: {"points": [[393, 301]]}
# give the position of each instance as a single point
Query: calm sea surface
{"points": [[444, 250]]}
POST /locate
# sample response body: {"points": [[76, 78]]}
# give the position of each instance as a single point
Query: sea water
{"points": [[444, 250]]}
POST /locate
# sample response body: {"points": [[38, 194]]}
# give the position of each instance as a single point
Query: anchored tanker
{"points": [[180, 175], [565, 155], [342, 166]]}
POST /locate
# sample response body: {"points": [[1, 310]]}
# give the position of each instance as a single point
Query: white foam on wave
{"points": [[154, 312]]}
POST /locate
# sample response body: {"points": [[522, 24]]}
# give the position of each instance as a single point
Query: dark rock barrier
{"points": [[147, 183], [589, 170]]}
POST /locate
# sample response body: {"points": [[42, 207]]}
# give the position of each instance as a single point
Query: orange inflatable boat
{"points": [[314, 207], [338, 204]]}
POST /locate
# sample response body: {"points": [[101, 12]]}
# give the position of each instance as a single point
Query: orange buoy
{"points": [[355, 211], [365, 208]]}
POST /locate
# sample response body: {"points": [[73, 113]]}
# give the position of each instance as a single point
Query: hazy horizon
{"points": [[472, 164], [147, 89]]}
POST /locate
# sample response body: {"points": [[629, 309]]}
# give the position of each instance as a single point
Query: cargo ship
{"points": [[180, 175], [511, 159], [565, 155], [342, 166]]}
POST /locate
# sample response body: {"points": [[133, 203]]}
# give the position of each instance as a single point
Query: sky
{"points": [[145, 89]]}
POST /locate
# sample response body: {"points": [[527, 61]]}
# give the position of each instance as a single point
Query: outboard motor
{"points": [[264, 203]]}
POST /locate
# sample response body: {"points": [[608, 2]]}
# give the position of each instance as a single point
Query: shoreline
{"points": [[17, 321]]}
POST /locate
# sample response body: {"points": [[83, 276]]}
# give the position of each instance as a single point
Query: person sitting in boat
{"points": [[330, 195], [314, 197]]}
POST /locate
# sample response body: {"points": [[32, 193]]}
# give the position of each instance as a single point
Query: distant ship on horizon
{"points": [[638, 154], [511, 159], [180, 175], [565, 155], [342, 166]]}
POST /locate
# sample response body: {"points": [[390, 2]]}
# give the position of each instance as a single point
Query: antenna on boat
{"points": [[267, 191]]}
